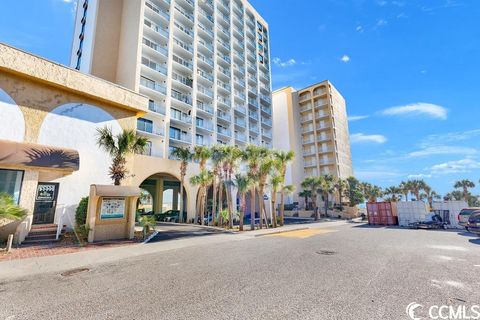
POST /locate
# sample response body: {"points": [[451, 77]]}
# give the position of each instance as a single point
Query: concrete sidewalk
{"points": [[60, 263]]}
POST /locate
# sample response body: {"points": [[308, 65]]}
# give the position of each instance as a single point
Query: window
{"points": [[11, 183], [260, 58], [145, 125], [199, 122], [199, 139]]}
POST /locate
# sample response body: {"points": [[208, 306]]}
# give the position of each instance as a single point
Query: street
{"points": [[330, 271]]}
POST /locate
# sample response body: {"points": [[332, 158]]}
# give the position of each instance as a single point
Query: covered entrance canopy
{"points": [[18, 155]]}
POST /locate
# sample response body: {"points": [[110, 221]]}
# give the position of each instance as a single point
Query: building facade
{"points": [[204, 65], [317, 124]]}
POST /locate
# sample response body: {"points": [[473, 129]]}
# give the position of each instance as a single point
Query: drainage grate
{"points": [[73, 272], [326, 252]]}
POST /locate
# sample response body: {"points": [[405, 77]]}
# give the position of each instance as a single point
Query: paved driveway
{"points": [[171, 231]]}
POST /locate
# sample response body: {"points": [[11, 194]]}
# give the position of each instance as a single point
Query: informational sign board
{"points": [[112, 208], [46, 192]]}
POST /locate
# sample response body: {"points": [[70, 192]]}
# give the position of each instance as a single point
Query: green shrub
{"points": [[9, 209], [81, 212]]}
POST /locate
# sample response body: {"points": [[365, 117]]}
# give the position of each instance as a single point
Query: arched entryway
{"points": [[164, 197]]}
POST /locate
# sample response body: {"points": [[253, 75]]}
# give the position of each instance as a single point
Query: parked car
{"points": [[436, 222], [465, 214], [474, 223], [169, 216]]}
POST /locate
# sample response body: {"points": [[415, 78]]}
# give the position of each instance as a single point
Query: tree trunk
{"points": [[220, 203], [180, 215], [314, 200], [274, 212], [326, 205], [214, 204], [203, 211], [252, 209], [230, 207], [282, 208], [263, 216], [242, 211]]}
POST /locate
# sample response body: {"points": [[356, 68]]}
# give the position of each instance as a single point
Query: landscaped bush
{"points": [[9, 210], [81, 212]]}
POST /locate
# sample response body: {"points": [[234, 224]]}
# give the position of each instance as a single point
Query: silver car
{"points": [[465, 214]]}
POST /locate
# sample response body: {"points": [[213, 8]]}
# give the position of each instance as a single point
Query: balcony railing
{"points": [[266, 121], [182, 137], [241, 108], [205, 91], [158, 29], [182, 97], [151, 129], [157, 10], [157, 108], [225, 116], [205, 107], [153, 85], [224, 131], [205, 125], [183, 117]]}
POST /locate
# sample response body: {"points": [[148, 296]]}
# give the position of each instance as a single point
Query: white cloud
{"points": [[442, 150], [449, 137], [382, 3], [364, 138], [359, 29], [357, 118], [381, 23], [279, 62], [421, 108], [345, 58], [459, 166], [367, 175], [419, 176]]}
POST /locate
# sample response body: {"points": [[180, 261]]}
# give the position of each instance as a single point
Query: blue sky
{"points": [[409, 70]]}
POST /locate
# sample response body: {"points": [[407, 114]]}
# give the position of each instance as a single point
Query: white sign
{"points": [[112, 208]]}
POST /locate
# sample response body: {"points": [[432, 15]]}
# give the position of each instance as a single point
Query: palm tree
{"points": [[327, 187], [276, 182], [372, 192], [232, 155], [312, 184], [147, 223], [203, 179], [243, 184], [394, 193], [455, 195], [119, 147], [305, 194], [217, 160], [405, 189], [429, 195], [184, 155], [264, 171], [341, 186], [283, 158], [252, 156], [465, 185], [416, 186], [202, 154]]}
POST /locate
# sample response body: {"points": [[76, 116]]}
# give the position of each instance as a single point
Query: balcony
{"points": [[181, 117], [154, 66], [183, 80], [150, 129], [155, 46], [266, 98], [319, 115], [157, 108], [162, 13], [187, 30], [240, 122], [307, 140], [158, 29], [224, 116], [185, 14], [267, 122], [224, 131], [205, 91], [152, 85], [206, 30], [205, 59], [253, 102], [206, 15], [241, 109], [254, 129], [182, 97], [205, 75], [308, 152], [205, 107], [267, 133], [305, 108], [225, 101], [181, 137], [323, 127], [206, 44], [183, 63], [205, 125], [323, 138], [240, 137], [306, 118], [225, 58], [307, 129], [240, 95], [183, 45], [224, 86], [267, 110], [253, 115], [310, 164]]}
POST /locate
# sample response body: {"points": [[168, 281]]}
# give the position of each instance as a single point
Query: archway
{"points": [[74, 126], [165, 195], [13, 123]]}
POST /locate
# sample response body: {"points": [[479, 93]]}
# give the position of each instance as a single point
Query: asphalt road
{"points": [[344, 272]]}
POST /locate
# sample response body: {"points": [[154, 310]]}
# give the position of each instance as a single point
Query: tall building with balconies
{"points": [[316, 121], [203, 64]]}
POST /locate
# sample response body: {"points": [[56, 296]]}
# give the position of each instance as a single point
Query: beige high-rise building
{"points": [[204, 65], [312, 122]]}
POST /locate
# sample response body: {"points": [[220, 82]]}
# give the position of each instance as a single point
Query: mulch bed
{"points": [[67, 244]]}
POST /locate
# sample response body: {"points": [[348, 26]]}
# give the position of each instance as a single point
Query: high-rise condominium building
{"points": [[203, 64], [316, 121]]}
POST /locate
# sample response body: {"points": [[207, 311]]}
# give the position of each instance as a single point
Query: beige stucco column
{"points": [[158, 206]]}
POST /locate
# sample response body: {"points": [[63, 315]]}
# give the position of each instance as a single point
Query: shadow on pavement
{"points": [[184, 231], [475, 241]]}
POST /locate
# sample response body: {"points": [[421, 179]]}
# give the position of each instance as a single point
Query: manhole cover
{"points": [[73, 272], [326, 252]]}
